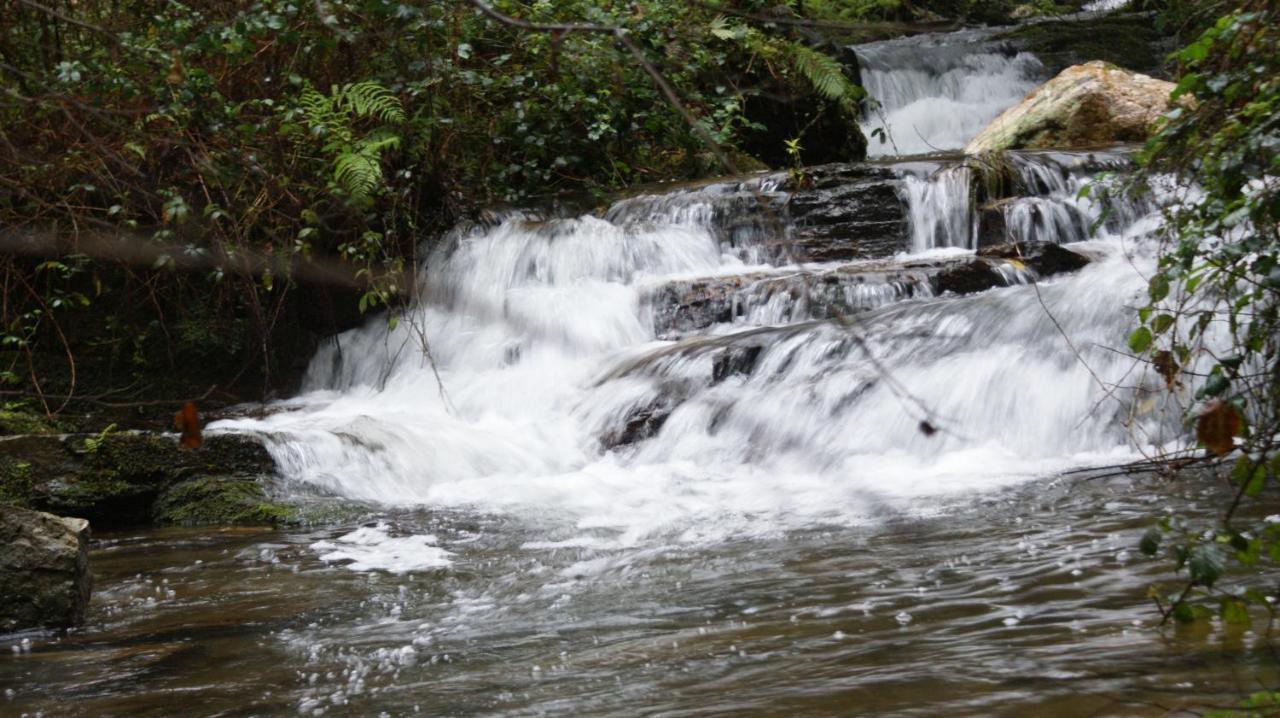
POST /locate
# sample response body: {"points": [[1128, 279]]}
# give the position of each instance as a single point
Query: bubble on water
{"points": [[838, 635], [903, 618]]}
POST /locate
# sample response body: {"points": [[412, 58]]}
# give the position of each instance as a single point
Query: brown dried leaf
{"points": [[187, 420], [1218, 425], [1167, 366]]}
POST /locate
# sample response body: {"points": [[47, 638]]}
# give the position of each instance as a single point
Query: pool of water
{"points": [[1028, 601]]}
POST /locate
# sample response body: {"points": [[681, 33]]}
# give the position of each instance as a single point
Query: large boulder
{"points": [[44, 569], [1087, 105]]}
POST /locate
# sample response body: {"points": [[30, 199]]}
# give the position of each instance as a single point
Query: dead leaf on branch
{"points": [[1218, 426]]}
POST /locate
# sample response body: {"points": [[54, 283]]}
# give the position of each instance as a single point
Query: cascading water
{"points": [[555, 396], [727, 449], [933, 93]]}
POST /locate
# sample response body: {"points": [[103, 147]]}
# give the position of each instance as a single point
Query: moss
{"points": [[144, 458], [116, 478], [15, 482], [16, 421], [1132, 42], [224, 500]]}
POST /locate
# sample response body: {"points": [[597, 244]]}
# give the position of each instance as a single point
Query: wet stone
{"points": [[44, 569], [734, 361]]}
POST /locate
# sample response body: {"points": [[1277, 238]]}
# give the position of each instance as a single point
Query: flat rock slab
{"points": [[683, 307]]}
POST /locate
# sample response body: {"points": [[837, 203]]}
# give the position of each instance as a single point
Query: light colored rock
{"points": [[1093, 104], [44, 569]]}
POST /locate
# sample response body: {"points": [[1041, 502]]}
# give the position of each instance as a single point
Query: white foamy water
{"points": [[373, 548], [547, 355], [1106, 5], [936, 92]]}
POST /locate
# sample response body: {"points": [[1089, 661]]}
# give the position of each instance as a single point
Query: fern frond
{"points": [[369, 99], [823, 72], [358, 173]]}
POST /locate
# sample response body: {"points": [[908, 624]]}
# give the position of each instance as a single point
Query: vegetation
{"points": [[1212, 327], [179, 182]]}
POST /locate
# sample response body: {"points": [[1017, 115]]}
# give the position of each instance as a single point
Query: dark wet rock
{"points": [[1129, 40], [1046, 258], [686, 306], [970, 277], [641, 423], [834, 212], [734, 361], [44, 569], [992, 227], [128, 478], [683, 307], [1004, 264], [846, 212]]}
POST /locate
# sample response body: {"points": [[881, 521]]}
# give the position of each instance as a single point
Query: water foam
{"points": [[936, 92], [543, 351]]}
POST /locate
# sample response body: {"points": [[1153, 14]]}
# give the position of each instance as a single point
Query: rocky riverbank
{"points": [[116, 479]]}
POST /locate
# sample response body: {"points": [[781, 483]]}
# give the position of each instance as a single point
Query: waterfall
{"points": [[777, 394], [936, 92], [941, 205]]}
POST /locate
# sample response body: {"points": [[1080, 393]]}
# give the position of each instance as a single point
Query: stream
{"points": [[697, 454]]}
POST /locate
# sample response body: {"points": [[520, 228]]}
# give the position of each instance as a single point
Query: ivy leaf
{"points": [[1218, 426]]}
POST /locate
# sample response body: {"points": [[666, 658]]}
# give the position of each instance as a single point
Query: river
{"points": [[657, 460]]}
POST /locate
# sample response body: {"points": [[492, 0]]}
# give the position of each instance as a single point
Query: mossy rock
{"points": [[16, 421], [1130, 41], [119, 478], [16, 481], [221, 500]]}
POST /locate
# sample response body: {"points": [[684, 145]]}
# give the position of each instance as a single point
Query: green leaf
{"points": [[1184, 613], [1150, 543], [1235, 612], [1140, 340], [1159, 288], [1213, 386], [1205, 565], [1247, 471], [1162, 323]]}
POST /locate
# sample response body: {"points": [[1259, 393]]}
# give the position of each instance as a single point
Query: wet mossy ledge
{"points": [[122, 479]]}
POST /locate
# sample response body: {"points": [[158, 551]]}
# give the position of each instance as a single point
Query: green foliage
{"points": [[356, 158], [1212, 325], [1258, 705], [199, 138], [93, 443], [221, 501]]}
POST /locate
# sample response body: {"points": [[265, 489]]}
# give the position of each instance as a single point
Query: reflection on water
{"points": [[1029, 601]]}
